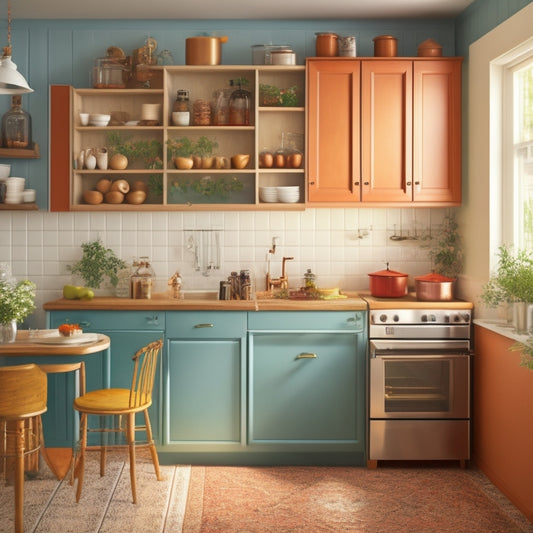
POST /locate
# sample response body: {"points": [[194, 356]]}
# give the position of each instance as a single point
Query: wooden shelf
{"points": [[21, 153], [19, 207]]}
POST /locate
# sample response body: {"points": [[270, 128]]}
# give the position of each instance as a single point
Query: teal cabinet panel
{"points": [[109, 320], [204, 391], [304, 388], [206, 324], [308, 321]]}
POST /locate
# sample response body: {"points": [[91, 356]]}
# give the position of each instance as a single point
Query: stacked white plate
{"points": [[289, 195], [99, 120], [14, 188], [268, 194]]}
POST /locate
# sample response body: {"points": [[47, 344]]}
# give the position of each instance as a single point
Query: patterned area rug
{"points": [[105, 505], [347, 499]]}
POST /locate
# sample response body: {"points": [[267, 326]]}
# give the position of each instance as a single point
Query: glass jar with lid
{"points": [[143, 279], [16, 126], [239, 104], [181, 111]]}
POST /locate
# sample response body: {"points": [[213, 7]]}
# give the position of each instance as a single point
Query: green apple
{"points": [[70, 292], [85, 294]]}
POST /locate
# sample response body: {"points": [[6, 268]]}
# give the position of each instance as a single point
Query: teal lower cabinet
{"points": [[306, 387], [128, 331], [205, 386]]}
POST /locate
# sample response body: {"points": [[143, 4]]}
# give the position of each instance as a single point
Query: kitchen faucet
{"points": [[283, 281]]}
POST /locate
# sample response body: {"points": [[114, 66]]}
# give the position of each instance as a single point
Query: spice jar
{"points": [[181, 112], [16, 126], [142, 280], [201, 113], [327, 44]]}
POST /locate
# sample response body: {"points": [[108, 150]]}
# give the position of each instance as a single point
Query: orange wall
{"points": [[503, 418]]}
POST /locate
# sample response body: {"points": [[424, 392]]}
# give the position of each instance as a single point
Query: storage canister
{"points": [[385, 46], [347, 46], [429, 48], [327, 44]]}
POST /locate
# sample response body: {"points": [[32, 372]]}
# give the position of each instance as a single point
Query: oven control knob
{"points": [[395, 318], [424, 318], [383, 317], [447, 319], [466, 317], [456, 318], [432, 318]]}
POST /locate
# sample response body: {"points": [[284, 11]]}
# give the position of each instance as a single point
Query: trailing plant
{"points": [[155, 184], [150, 152], [96, 264], [17, 300], [184, 147], [526, 352], [513, 279], [446, 250], [208, 186]]}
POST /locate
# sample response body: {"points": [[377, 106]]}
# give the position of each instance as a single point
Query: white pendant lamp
{"points": [[11, 80]]}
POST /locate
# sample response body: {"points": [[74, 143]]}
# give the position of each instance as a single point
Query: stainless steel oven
{"points": [[419, 384]]}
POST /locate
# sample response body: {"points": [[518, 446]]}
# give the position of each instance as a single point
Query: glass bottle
{"points": [[181, 112], [143, 279], [16, 126], [239, 105]]}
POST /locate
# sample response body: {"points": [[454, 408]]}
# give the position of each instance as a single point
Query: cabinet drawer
{"points": [[206, 324], [307, 320], [110, 320]]}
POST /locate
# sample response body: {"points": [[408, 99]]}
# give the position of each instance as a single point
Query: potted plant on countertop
{"points": [[17, 301], [97, 265], [446, 251]]}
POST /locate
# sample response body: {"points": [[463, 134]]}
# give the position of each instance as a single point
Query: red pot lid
{"points": [[433, 277], [389, 273]]}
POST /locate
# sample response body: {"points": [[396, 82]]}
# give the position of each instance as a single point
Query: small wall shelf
{"points": [[21, 153]]}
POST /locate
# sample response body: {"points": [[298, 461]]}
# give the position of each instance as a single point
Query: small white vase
{"points": [[90, 161], [521, 322], [8, 331], [101, 158]]}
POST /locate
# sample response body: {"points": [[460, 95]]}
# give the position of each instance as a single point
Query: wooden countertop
{"points": [[161, 302], [410, 302]]}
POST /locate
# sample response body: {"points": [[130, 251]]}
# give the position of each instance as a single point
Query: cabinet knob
{"points": [[356, 183], [366, 183], [311, 183], [417, 183], [408, 184]]}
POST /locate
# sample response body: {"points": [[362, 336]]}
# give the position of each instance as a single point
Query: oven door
{"points": [[419, 385]]}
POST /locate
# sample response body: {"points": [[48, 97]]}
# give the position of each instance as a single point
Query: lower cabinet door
{"points": [[305, 388], [204, 391]]}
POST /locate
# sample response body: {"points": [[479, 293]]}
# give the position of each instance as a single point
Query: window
{"points": [[518, 153]]}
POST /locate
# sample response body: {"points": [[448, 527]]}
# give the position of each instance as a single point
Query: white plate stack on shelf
{"points": [[268, 194], [289, 195], [14, 189]]}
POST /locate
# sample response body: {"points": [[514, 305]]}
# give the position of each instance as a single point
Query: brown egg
{"points": [[279, 161], [135, 197], [114, 197], [120, 185], [103, 185], [93, 197], [266, 160]]}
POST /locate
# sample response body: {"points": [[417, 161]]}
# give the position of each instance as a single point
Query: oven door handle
{"points": [[406, 357]]}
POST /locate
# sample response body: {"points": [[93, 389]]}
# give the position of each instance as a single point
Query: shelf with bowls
{"points": [[222, 184]]}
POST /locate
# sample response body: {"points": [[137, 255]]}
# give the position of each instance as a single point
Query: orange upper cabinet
{"points": [[437, 131], [384, 131], [333, 165]]}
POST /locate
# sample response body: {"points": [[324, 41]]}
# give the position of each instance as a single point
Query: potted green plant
{"points": [[150, 152], [512, 283], [97, 264], [446, 250], [17, 301]]}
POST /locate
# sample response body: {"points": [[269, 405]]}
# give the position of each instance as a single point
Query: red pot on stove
{"points": [[388, 283]]}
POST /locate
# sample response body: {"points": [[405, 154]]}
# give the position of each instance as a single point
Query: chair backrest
{"points": [[142, 382], [23, 391]]}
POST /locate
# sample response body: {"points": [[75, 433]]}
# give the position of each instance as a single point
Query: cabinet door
{"points": [[437, 131], [386, 131], [333, 131], [204, 391], [306, 388]]}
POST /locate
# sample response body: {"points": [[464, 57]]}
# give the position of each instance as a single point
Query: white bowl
{"points": [[268, 194], [99, 119], [289, 195]]}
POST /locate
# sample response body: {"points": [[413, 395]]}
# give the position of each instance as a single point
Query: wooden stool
{"points": [[23, 390]]}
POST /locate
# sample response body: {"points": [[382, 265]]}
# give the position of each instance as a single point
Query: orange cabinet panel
{"points": [[386, 131], [333, 131], [437, 131]]}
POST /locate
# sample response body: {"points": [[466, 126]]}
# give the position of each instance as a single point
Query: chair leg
{"points": [[81, 462], [153, 451], [19, 476], [130, 429]]}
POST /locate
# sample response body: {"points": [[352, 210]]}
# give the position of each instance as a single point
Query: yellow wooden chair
{"points": [[23, 393], [123, 403]]}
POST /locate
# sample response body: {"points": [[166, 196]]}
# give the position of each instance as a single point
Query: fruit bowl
{"points": [[69, 330]]}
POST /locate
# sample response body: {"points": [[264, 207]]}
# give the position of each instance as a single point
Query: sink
{"points": [[199, 295]]}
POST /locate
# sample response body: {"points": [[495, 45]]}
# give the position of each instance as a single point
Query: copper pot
{"points": [[429, 48], [204, 50], [434, 288], [388, 283], [385, 46]]}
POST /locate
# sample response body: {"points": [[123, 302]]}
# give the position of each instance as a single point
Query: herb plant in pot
{"points": [[97, 265], [17, 301], [512, 283]]}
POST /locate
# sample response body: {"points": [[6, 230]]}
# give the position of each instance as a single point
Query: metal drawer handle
{"points": [[204, 326], [306, 355]]}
